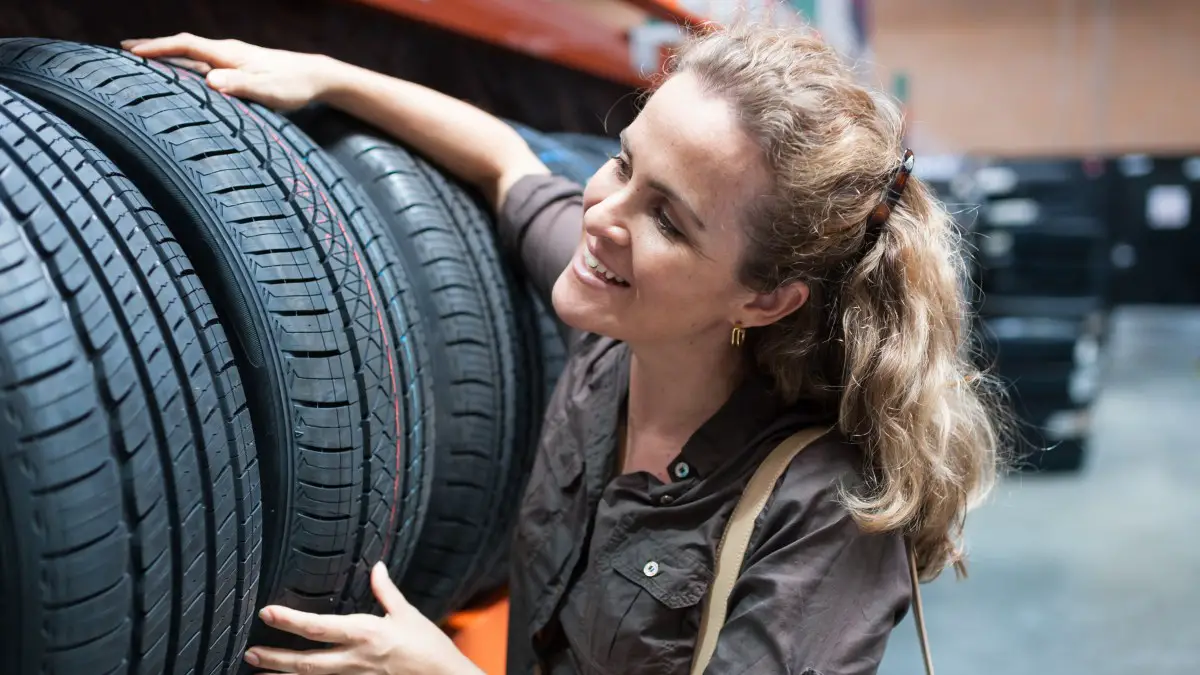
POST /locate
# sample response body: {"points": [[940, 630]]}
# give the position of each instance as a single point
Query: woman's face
{"points": [[663, 228]]}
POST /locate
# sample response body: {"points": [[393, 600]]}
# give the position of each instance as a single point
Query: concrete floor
{"points": [[1097, 572]]}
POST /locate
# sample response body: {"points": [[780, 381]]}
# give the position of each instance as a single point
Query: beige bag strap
{"points": [[731, 552]]}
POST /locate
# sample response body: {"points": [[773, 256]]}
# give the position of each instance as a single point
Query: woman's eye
{"points": [[661, 220], [664, 224], [622, 166]]}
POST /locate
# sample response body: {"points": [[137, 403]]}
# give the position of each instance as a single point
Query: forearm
{"points": [[462, 139]]}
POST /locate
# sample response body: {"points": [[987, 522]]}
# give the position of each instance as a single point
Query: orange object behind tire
{"points": [[481, 633]]}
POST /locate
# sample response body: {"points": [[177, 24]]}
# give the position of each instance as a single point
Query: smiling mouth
{"points": [[601, 271]]}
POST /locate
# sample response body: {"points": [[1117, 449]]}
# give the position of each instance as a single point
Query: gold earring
{"points": [[738, 336]]}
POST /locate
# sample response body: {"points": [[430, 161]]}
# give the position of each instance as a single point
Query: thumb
{"points": [[228, 80], [389, 597]]}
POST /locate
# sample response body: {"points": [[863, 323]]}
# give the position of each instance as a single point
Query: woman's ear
{"points": [[765, 309]]}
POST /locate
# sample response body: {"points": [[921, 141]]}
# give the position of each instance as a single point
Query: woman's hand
{"points": [[402, 643], [275, 78]]}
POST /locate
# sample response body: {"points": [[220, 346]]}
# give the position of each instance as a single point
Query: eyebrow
{"points": [[663, 188]]}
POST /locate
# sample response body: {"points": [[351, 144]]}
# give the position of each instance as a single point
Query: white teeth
{"points": [[600, 269]]}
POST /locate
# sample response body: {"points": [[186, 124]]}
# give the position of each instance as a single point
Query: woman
{"points": [[754, 261]]}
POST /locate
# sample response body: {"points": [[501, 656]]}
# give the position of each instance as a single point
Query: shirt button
{"points": [[651, 569], [666, 499], [682, 470]]}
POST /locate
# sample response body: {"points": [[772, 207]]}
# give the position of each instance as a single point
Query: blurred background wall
{"points": [[1038, 77]]}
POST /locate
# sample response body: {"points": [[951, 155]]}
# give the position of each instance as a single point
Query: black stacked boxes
{"points": [[1155, 254], [1042, 253]]}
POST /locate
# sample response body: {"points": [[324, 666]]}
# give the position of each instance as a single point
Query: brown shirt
{"points": [[610, 571]]}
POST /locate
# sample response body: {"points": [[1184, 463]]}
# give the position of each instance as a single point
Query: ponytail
{"points": [[911, 394]]}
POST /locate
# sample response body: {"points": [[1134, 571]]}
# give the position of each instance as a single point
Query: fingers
{"points": [[316, 662], [229, 81], [216, 53], [317, 627], [389, 597], [198, 67]]}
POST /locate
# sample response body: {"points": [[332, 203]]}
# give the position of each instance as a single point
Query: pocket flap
{"points": [[675, 577]]}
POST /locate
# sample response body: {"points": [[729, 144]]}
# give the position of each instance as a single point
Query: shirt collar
{"points": [[752, 410]]}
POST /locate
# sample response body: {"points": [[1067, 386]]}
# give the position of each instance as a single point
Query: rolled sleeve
{"points": [[540, 223], [817, 595]]}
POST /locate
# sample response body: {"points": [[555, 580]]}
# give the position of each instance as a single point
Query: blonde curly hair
{"points": [[885, 335]]}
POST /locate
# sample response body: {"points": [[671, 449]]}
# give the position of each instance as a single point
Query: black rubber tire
{"points": [[411, 405], [286, 283], [393, 494], [484, 370], [552, 353], [130, 515]]}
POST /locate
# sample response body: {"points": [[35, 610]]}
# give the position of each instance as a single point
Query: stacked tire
{"points": [[242, 358]]}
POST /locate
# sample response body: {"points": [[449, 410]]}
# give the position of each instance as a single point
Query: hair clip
{"points": [[883, 211]]}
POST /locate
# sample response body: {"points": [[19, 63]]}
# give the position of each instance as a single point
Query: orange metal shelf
{"points": [[668, 10], [552, 30], [481, 634]]}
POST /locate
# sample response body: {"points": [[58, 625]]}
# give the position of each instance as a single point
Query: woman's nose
{"points": [[602, 221]]}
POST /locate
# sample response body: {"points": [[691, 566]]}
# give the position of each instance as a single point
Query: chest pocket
{"points": [[649, 598], [675, 578]]}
